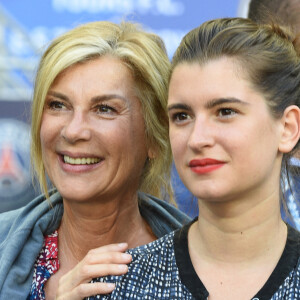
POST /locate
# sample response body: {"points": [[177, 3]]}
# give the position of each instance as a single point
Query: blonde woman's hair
{"points": [[145, 55]]}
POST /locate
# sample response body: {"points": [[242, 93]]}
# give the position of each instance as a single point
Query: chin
{"points": [[210, 190], [210, 196], [74, 195]]}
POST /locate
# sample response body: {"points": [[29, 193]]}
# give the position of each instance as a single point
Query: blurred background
{"points": [[27, 26]]}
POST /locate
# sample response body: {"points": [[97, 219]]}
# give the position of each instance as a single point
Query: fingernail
{"points": [[122, 245], [122, 267], [126, 256], [110, 285]]}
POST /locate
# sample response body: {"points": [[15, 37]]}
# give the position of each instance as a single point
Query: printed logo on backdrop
{"points": [[15, 176], [156, 7], [115, 10]]}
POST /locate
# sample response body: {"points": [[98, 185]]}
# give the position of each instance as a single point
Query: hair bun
{"points": [[282, 31], [296, 43]]}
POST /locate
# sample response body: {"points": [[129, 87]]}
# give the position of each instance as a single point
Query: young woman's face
{"points": [[92, 133], [223, 137]]}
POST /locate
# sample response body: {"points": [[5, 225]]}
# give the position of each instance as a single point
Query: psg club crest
{"points": [[15, 174]]}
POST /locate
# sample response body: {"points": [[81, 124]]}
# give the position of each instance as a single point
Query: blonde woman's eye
{"points": [[56, 105], [106, 109]]}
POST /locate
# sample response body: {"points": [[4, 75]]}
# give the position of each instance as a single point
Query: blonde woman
{"points": [[99, 132]]}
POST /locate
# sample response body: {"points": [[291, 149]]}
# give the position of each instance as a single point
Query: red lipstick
{"points": [[206, 165]]}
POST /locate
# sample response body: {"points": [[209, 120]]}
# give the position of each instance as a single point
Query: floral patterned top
{"points": [[46, 264]]}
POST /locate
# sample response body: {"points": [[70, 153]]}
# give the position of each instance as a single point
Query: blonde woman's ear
{"points": [[291, 129], [151, 153]]}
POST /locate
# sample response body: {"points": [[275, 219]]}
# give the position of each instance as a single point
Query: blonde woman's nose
{"points": [[76, 128]]}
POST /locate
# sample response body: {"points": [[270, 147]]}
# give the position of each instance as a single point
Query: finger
{"points": [[89, 272], [106, 258], [121, 247], [86, 290], [91, 289], [98, 265], [82, 273]]}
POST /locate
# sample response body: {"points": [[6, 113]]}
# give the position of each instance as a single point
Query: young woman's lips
{"points": [[205, 165], [79, 163]]}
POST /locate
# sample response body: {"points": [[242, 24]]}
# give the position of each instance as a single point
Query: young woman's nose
{"points": [[201, 134], [76, 128]]}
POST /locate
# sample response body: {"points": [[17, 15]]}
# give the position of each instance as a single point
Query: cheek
{"points": [[178, 142], [128, 138], [257, 147], [45, 148], [48, 133], [43, 136], [137, 131], [45, 132]]}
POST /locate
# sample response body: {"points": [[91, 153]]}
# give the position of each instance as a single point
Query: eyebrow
{"points": [[210, 104], [108, 97], [179, 106], [215, 102], [94, 99], [58, 95]]}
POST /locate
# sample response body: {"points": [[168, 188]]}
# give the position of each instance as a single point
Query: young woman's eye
{"points": [[106, 109], [179, 117], [226, 112], [56, 105]]}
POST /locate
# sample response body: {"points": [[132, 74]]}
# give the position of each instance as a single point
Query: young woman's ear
{"points": [[291, 129]]}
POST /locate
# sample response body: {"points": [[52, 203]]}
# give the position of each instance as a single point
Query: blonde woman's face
{"points": [[92, 133]]}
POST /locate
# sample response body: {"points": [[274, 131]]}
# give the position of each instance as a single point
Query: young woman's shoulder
{"points": [[152, 274], [287, 271]]}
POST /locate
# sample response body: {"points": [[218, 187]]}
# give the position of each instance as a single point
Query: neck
{"points": [[92, 225], [240, 231]]}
